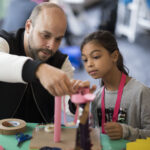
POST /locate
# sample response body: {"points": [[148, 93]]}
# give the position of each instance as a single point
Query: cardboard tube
{"points": [[57, 119]]}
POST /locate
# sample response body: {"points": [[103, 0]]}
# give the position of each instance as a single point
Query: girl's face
{"points": [[98, 62]]}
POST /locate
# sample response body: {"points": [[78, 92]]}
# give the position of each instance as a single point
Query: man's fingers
{"points": [[69, 87], [51, 78], [57, 81], [84, 84], [61, 89], [64, 89], [76, 85], [52, 91]]}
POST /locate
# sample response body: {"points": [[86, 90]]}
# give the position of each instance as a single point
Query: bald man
{"points": [[30, 65]]}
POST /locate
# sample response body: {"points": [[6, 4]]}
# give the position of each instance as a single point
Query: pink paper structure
{"points": [[57, 119], [83, 96], [1, 148]]}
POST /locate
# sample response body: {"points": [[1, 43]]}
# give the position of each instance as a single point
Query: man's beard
{"points": [[33, 52]]}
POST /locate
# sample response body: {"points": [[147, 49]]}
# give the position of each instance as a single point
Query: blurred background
{"points": [[128, 20]]}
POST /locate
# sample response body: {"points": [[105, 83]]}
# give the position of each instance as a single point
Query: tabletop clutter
{"points": [[53, 135], [69, 138], [58, 137]]}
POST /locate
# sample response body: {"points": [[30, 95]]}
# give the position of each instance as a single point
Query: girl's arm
{"points": [[143, 123]]}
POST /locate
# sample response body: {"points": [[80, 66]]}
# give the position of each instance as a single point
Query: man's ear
{"points": [[115, 56], [28, 26]]}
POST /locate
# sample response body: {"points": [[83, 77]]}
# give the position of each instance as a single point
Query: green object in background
{"points": [[3, 7], [108, 144]]}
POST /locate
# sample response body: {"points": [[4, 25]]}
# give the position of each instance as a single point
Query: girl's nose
{"points": [[90, 63]]}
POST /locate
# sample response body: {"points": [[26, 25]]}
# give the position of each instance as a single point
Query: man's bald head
{"points": [[44, 31], [43, 6]]}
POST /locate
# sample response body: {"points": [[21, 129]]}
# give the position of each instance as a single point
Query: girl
{"points": [[121, 106]]}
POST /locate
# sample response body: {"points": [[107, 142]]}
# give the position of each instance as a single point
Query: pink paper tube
{"points": [[57, 119], [1, 148]]}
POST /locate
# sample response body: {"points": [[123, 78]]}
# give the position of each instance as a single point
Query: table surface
{"points": [[9, 142]]}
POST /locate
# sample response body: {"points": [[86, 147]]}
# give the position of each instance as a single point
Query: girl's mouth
{"points": [[93, 72]]}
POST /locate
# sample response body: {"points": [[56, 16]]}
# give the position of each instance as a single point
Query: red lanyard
{"points": [[118, 101]]}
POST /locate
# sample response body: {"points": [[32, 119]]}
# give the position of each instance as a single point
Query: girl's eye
{"points": [[84, 60], [96, 57]]}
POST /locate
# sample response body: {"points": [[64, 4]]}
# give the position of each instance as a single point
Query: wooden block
{"points": [[68, 137], [42, 138]]}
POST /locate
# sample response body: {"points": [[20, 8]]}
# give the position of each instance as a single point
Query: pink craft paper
{"points": [[57, 119], [1, 148], [89, 97], [77, 99], [82, 96]]}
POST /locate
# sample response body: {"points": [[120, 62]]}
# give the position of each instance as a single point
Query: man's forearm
{"points": [[11, 67]]}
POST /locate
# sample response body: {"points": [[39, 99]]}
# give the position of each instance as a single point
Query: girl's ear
{"points": [[115, 56]]}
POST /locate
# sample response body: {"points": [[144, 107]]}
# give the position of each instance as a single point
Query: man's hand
{"points": [[54, 80], [77, 84], [114, 130]]}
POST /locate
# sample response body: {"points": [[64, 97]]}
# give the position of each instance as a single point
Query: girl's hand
{"points": [[114, 130], [77, 84]]}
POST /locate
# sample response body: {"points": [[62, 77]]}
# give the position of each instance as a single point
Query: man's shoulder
{"points": [[7, 35], [4, 33], [13, 38]]}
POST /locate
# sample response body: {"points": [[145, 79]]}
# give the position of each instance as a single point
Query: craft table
{"points": [[9, 142]]}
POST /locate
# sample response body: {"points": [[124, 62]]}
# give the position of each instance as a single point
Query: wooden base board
{"points": [[68, 138]]}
